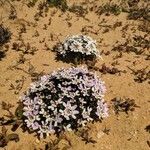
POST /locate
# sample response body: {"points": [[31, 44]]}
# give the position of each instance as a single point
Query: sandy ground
{"points": [[127, 131]]}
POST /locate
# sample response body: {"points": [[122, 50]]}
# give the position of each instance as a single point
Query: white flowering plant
{"points": [[79, 47], [64, 100]]}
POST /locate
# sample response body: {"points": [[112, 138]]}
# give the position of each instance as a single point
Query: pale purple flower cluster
{"points": [[78, 44], [64, 100]]}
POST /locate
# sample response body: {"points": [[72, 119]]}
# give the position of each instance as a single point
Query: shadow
{"points": [[75, 58], [2, 55], [5, 35]]}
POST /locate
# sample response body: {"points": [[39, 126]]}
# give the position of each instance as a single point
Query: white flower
{"points": [[78, 43], [86, 114], [69, 111], [68, 127], [50, 128], [30, 120], [48, 119], [44, 78], [102, 109], [82, 101], [82, 122], [57, 119], [54, 104]]}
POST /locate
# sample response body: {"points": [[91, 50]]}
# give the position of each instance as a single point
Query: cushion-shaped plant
{"points": [[4, 35], [80, 47], [64, 100]]}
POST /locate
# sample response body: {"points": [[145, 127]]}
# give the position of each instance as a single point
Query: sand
{"points": [[127, 131]]}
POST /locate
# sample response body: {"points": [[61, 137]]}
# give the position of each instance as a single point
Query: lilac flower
{"points": [[64, 100], [35, 126]]}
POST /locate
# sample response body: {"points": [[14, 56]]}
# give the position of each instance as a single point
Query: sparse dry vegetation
{"points": [[29, 32]]}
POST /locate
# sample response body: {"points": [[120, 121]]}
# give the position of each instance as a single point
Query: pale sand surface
{"points": [[126, 131]]}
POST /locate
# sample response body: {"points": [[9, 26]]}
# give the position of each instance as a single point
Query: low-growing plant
{"points": [[30, 71], [140, 41], [147, 57], [133, 3], [61, 4], [85, 135], [144, 26], [54, 144], [5, 138], [77, 49], [12, 119], [78, 10], [139, 13], [5, 35], [106, 131], [148, 143], [18, 85], [136, 47], [123, 105], [104, 69], [64, 100], [147, 128], [108, 9], [13, 13], [31, 3], [24, 48], [141, 75]]}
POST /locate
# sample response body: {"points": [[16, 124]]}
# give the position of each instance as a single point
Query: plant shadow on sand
{"points": [[76, 58]]}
